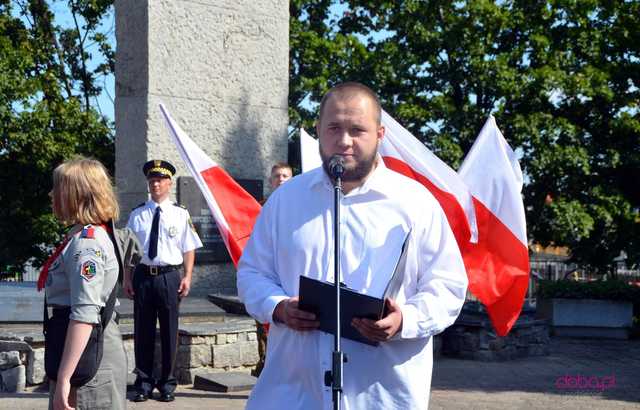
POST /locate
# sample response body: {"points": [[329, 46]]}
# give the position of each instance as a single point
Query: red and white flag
{"points": [[234, 209], [498, 264], [404, 153]]}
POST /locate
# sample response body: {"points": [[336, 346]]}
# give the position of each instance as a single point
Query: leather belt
{"points": [[158, 270]]}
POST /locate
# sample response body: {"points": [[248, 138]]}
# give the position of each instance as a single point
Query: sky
{"points": [[104, 102]]}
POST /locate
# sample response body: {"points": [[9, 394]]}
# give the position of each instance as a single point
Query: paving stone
{"points": [[35, 367], [193, 340], [9, 359], [129, 352], [13, 380], [249, 353], [228, 355], [224, 382], [187, 376], [190, 356], [9, 345]]}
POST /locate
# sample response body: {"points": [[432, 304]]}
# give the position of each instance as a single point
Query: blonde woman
{"points": [[79, 279]]}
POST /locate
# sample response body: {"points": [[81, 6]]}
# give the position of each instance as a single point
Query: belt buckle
{"points": [[153, 270]]}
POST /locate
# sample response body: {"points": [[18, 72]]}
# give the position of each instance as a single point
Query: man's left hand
{"points": [[383, 329], [185, 286]]}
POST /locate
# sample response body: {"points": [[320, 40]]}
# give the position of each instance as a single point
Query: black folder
{"points": [[318, 297]]}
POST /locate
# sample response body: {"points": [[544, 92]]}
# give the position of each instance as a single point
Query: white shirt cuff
{"points": [[270, 306], [412, 327]]}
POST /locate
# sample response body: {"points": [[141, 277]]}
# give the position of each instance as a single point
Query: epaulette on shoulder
{"points": [[179, 205], [88, 232], [138, 206]]}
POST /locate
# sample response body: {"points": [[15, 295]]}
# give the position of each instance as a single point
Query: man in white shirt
{"points": [[169, 240], [293, 236]]}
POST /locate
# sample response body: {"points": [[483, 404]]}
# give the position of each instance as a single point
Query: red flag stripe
{"points": [[498, 252], [238, 207], [450, 205]]}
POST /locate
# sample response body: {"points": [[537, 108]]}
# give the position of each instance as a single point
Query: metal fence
{"points": [[558, 269]]}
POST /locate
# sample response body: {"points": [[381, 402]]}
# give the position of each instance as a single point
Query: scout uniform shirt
{"points": [[176, 234], [84, 274]]}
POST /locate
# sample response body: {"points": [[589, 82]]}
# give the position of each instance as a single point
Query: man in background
{"points": [[169, 241], [280, 173]]}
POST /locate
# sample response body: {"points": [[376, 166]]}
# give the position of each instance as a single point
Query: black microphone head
{"points": [[336, 166]]}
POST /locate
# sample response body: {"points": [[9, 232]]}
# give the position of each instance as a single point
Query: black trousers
{"points": [[156, 298]]}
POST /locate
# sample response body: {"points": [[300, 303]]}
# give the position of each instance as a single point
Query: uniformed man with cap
{"points": [[157, 286]]}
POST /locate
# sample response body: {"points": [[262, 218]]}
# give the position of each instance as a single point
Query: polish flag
{"points": [[498, 264], [234, 209], [309, 152], [404, 153]]}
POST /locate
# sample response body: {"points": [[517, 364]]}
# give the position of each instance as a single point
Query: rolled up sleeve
{"points": [[86, 279]]}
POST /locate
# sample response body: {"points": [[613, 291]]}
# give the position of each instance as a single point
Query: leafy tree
{"points": [[560, 76], [48, 81]]}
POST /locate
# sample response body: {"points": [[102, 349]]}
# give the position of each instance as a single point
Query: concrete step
{"points": [[224, 382]]}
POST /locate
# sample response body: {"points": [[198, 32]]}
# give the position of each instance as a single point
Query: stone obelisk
{"points": [[221, 69]]}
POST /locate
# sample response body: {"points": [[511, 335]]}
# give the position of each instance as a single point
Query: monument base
{"points": [[472, 337]]}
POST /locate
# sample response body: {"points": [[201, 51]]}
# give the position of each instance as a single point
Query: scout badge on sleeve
{"points": [[88, 270]]}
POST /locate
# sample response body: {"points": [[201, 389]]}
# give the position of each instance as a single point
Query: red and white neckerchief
{"points": [[44, 272]]}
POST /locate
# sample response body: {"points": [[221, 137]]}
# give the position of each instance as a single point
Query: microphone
{"points": [[336, 166]]}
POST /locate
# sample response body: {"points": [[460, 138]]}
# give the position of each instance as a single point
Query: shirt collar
{"points": [[377, 181], [163, 205]]}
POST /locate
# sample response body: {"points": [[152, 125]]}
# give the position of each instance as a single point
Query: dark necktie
{"points": [[153, 239]]}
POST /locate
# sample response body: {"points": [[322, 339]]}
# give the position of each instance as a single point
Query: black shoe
{"points": [[140, 397], [166, 397]]}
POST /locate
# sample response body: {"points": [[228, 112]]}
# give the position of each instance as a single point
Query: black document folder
{"points": [[319, 297]]}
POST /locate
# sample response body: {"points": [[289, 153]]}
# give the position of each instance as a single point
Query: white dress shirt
{"points": [[176, 234], [293, 236]]}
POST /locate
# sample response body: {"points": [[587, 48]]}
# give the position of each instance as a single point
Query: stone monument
{"points": [[221, 69]]}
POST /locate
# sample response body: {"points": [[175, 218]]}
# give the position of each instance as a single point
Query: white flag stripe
{"points": [[500, 172], [309, 152], [400, 143], [196, 162]]}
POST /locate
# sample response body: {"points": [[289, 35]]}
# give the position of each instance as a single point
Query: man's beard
{"points": [[357, 172]]}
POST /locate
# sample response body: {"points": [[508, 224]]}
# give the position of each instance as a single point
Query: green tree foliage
{"points": [[47, 86], [561, 77]]}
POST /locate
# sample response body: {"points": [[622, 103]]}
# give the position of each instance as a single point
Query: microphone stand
{"points": [[333, 377]]}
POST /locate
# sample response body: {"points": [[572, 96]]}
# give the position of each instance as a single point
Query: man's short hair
{"points": [[281, 165], [350, 89]]}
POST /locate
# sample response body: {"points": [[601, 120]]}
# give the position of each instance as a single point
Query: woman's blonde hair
{"points": [[83, 193]]}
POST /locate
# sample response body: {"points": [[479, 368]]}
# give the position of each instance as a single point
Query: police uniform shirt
{"points": [[84, 274], [176, 234]]}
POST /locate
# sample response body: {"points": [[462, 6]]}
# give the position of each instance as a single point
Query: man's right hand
{"points": [[128, 289], [287, 312]]}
